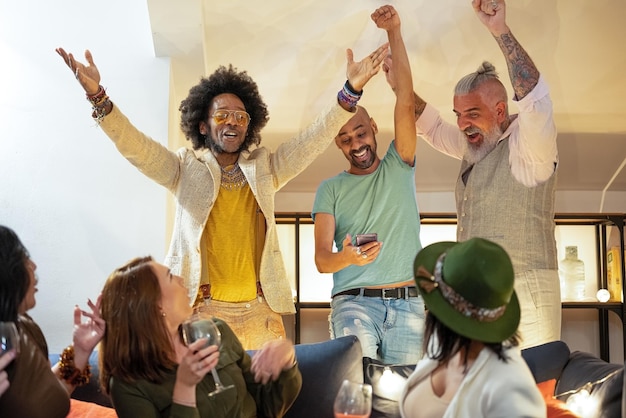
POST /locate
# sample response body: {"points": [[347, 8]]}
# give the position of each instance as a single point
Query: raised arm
{"points": [[522, 71], [358, 74], [420, 104], [72, 370], [89, 78], [386, 17]]}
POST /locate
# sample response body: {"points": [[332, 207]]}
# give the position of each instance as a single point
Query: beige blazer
{"points": [[195, 181]]}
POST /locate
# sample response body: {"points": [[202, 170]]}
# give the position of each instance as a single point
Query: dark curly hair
{"points": [[194, 109], [14, 279]]}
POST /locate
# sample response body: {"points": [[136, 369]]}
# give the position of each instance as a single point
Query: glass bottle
{"points": [[572, 275]]}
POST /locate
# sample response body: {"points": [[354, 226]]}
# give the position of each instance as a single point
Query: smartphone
{"points": [[365, 238]]}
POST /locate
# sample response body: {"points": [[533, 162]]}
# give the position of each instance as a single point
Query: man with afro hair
{"points": [[224, 243]]}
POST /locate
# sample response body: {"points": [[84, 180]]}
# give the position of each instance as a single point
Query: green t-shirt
{"points": [[383, 202]]}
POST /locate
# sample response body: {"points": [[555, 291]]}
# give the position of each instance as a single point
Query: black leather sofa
{"points": [[572, 371], [323, 366], [326, 364]]}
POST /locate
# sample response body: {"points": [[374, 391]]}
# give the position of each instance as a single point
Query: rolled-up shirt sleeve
{"points": [[532, 140], [441, 135]]}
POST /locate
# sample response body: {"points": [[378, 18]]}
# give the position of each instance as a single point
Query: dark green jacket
{"points": [[250, 399]]}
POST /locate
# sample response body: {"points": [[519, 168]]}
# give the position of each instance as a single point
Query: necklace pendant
{"points": [[233, 179]]}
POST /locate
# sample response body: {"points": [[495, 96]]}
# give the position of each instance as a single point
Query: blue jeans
{"points": [[389, 330]]}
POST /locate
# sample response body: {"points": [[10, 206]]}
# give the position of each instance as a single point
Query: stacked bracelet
{"points": [[348, 96], [99, 104], [69, 372]]}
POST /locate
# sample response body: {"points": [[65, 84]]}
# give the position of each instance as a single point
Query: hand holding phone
{"points": [[365, 238]]}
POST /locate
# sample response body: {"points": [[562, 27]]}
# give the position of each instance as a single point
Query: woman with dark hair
{"points": [[149, 372], [472, 365], [35, 389], [225, 240]]}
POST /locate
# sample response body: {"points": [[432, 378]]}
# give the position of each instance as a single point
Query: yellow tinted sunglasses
{"points": [[222, 116]]}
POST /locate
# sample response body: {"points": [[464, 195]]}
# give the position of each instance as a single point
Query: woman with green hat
{"points": [[472, 366]]}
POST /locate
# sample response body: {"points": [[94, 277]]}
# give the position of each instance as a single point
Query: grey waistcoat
{"points": [[495, 206]]}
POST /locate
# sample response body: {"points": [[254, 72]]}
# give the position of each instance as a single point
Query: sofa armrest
{"points": [[546, 361], [324, 366], [583, 368]]}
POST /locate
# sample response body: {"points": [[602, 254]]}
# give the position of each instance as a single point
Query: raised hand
{"points": [[386, 18], [87, 75], [492, 14], [359, 73], [89, 333]]}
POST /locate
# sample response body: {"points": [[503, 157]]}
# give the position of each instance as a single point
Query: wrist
{"points": [[291, 364], [94, 97], [352, 89], [184, 394], [184, 402], [498, 32], [68, 370], [81, 354], [349, 96], [100, 104]]}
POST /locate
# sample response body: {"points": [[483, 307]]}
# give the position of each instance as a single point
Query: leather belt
{"points": [[390, 293]]}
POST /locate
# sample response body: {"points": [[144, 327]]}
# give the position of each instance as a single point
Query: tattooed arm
{"points": [[522, 71]]}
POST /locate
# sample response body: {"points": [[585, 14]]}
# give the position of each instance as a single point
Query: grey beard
{"points": [[474, 154]]}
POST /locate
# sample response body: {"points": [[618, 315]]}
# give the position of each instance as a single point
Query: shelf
{"points": [[611, 306], [597, 240]]}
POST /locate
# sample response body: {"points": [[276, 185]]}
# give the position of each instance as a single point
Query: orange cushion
{"points": [[547, 388], [81, 409], [555, 407]]}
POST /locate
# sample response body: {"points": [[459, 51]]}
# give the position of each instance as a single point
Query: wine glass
{"points": [[9, 338], [354, 400], [199, 326]]}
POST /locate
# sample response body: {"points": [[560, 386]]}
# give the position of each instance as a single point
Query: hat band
{"points": [[459, 303]]}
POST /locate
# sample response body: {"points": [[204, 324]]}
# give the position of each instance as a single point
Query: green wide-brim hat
{"points": [[477, 298]]}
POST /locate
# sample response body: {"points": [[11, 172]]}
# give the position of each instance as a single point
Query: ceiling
{"points": [[295, 51]]}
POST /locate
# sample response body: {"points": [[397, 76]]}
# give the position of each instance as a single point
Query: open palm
{"points": [[87, 75]]}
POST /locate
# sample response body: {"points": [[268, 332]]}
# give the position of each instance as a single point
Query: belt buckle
{"points": [[383, 293]]}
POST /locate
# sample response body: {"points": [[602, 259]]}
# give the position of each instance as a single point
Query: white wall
{"points": [[80, 208]]}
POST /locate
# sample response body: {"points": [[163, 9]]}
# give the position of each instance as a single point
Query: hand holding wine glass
{"points": [[9, 338], [198, 326], [9, 348], [354, 400]]}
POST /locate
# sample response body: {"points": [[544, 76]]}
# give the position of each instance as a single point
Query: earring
{"points": [[163, 314]]}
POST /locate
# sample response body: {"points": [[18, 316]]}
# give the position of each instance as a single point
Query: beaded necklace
{"points": [[233, 178]]}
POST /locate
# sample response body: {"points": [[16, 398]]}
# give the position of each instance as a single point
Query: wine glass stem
{"points": [[216, 378]]}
